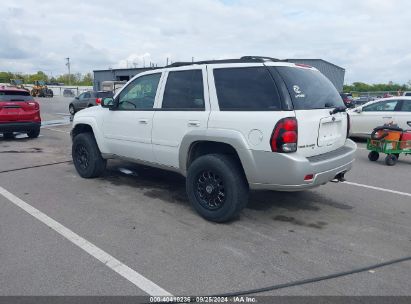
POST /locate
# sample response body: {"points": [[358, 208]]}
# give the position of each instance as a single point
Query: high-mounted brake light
{"points": [[285, 136], [303, 65]]}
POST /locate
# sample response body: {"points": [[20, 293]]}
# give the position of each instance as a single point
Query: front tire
{"points": [[373, 156], [34, 133], [87, 156], [216, 187]]}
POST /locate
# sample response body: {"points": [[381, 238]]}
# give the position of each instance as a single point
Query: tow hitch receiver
{"points": [[339, 177]]}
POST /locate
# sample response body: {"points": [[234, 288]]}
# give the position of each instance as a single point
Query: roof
{"points": [[235, 60], [315, 59], [127, 69], [11, 88]]}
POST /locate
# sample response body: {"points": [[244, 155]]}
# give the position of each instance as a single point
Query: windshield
{"points": [[309, 89], [15, 96]]}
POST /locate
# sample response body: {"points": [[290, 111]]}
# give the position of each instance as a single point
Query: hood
{"points": [[87, 112]]}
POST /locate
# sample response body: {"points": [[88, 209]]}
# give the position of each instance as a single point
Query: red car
{"points": [[19, 112]]}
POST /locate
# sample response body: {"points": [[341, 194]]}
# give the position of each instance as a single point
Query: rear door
{"points": [[184, 108], [313, 97]]}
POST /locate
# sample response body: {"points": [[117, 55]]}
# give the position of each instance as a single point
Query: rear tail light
{"points": [[34, 105], [348, 125], [285, 136], [309, 177], [98, 100]]}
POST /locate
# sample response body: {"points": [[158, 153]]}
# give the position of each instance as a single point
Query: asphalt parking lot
{"points": [[140, 224]]}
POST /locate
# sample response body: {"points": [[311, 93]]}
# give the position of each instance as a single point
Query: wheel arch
{"points": [[88, 125], [230, 142]]}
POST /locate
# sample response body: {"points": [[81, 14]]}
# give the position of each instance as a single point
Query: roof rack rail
{"points": [[240, 60], [262, 58]]}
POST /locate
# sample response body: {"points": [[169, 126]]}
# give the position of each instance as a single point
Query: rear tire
{"points": [[72, 111], [373, 156], [216, 187], [391, 160], [8, 135], [87, 156], [34, 133]]}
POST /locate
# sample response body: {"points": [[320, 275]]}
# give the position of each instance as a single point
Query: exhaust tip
{"points": [[340, 177]]}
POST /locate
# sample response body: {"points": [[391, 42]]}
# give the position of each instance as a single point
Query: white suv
{"points": [[226, 125]]}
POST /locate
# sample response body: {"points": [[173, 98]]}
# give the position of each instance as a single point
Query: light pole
{"points": [[68, 67]]}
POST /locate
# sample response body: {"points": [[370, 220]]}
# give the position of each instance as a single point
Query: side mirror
{"points": [[109, 102], [77, 98], [358, 110]]}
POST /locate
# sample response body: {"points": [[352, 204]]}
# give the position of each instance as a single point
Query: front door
{"points": [[127, 128]]}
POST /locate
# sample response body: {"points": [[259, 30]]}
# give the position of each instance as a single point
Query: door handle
{"points": [[143, 121], [388, 117], [193, 124]]}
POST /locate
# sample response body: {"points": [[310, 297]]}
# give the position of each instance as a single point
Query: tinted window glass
{"points": [[15, 96], [140, 93], [309, 89], [382, 106], [246, 89], [104, 94], [406, 106], [407, 94], [87, 95], [184, 90]]}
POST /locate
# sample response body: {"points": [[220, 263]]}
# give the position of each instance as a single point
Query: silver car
{"points": [[87, 99]]}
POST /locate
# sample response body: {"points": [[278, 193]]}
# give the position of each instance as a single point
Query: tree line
{"points": [[378, 87], [75, 79]]}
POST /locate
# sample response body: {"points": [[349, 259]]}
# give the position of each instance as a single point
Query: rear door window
{"points": [[406, 106], [309, 89], [246, 89], [184, 90], [15, 96]]}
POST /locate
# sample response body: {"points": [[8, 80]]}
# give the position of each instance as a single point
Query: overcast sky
{"points": [[369, 38]]}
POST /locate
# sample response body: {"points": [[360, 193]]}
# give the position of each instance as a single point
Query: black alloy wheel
{"points": [[210, 190]]}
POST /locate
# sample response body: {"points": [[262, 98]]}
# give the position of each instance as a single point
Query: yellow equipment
{"points": [[40, 89]]}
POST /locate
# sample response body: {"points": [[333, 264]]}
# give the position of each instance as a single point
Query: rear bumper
{"points": [[19, 126], [286, 172]]}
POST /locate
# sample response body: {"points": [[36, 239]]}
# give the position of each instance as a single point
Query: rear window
{"points": [[104, 94], [246, 89], [15, 96], [309, 89]]}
